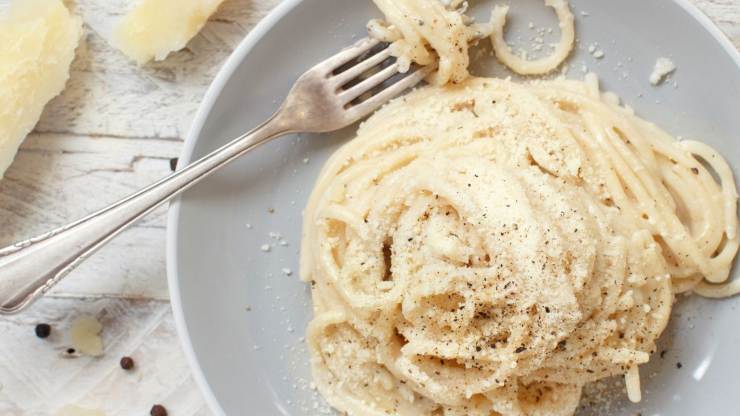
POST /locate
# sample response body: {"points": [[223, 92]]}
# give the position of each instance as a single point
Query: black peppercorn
{"points": [[158, 410], [43, 330], [127, 363]]}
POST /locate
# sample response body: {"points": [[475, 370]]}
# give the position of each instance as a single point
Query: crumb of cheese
{"points": [[85, 336], [157, 27], [38, 39], [663, 67]]}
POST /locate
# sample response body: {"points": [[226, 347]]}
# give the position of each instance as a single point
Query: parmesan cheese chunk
{"points": [[157, 27], [38, 39], [85, 336], [663, 67]]}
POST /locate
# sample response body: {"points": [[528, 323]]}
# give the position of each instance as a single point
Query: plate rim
{"points": [[173, 212], [193, 135]]}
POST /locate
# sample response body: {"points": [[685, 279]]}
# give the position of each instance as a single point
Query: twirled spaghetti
{"points": [[430, 31], [426, 32], [490, 247]]}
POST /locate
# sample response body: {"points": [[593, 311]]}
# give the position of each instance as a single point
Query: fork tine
{"points": [[366, 85], [361, 67], [350, 53], [372, 103]]}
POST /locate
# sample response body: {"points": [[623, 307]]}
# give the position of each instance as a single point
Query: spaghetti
{"points": [[487, 247], [493, 246], [426, 32]]}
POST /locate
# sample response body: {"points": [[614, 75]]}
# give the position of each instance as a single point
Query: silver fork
{"points": [[316, 103]]}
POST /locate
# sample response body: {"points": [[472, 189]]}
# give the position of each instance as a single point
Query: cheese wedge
{"points": [[38, 39], [155, 28]]}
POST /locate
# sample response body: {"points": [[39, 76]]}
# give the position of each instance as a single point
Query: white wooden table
{"points": [[113, 130]]}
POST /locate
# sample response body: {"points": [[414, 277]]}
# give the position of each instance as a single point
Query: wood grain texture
{"points": [[38, 377], [112, 131]]}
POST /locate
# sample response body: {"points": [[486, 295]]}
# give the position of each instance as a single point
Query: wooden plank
{"points": [[37, 379], [109, 95], [111, 132], [60, 178]]}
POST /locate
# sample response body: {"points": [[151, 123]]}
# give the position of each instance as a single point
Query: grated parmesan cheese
{"points": [[663, 67]]}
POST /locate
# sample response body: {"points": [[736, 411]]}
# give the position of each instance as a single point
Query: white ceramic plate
{"points": [[253, 362]]}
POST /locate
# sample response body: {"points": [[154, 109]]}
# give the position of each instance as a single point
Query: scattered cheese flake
{"points": [[265, 247], [663, 67], [85, 335], [38, 39], [287, 271], [598, 54], [154, 28]]}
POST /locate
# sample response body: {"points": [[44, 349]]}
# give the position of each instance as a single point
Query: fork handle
{"points": [[28, 269]]}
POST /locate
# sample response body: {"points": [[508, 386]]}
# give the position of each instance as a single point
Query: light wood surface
{"points": [[114, 130]]}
